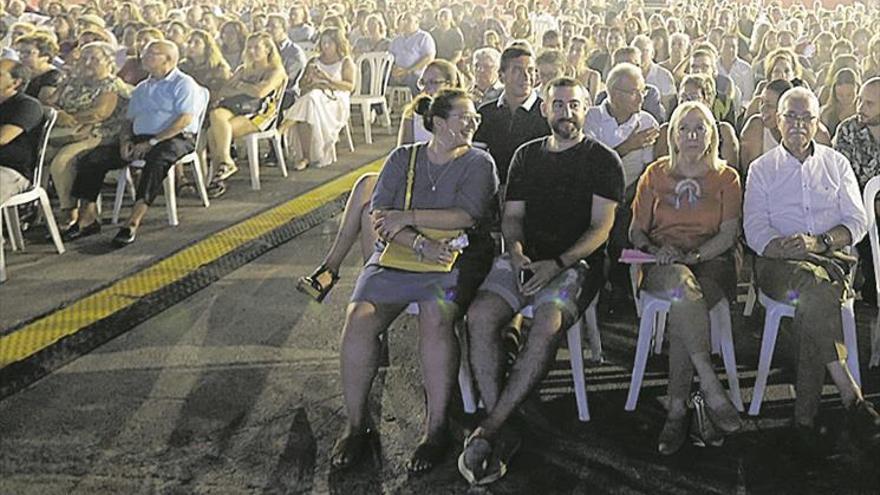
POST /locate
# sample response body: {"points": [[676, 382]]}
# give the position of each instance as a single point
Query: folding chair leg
{"points": [[368, 127], [121, 182], [575, 350], [253, 152], [13, 243], [200, 181], [768, 344], [851, 342], [348, 135], [2, 253], [15, 227], [50, 220], [386, 114], [279, 154], [171, 197]]}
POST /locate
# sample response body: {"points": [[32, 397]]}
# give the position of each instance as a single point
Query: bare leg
{"points": [[360, 357], [304, 133], [351, 224], [88, 213], [220, 135], [137, 214], [530, 367], [487, 314], [850, 392]]}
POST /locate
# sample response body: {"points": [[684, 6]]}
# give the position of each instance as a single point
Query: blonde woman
{"points": [[687, 212], [841, 101], [701, 87], [321, 112], [246, 104]]}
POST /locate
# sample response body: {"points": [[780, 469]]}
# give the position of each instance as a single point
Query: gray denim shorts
{"points": [[568, 290]]}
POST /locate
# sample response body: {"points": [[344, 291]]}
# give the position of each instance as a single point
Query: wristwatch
{"points": [[153, 141], [827, 241]]}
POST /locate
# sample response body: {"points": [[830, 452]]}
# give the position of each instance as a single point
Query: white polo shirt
{"points": [[600, 125]]}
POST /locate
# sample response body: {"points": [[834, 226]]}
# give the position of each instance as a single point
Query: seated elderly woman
{"points": [[91, 108], [246, 104], [37, 52], [687, 213], [453, 189], [321, 112], [355, 224], [701, 87]]}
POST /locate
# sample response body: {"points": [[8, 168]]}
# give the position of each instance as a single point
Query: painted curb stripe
{"points": [[228, 249]]}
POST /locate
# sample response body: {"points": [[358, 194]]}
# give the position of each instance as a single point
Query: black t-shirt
{"points": [[20, 154], [51, 79], [558, 189], [503, 132]]}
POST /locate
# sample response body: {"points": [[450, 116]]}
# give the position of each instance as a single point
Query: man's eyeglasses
{"points": [[805, 119]]}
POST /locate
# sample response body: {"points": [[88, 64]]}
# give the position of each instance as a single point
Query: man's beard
{"points": [[564, 131]]}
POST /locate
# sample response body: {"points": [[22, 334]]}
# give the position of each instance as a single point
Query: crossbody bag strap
{"points": [[410, 176]]}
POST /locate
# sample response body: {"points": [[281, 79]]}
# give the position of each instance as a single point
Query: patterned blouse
{"points": [[855, 141], [78, 94]]}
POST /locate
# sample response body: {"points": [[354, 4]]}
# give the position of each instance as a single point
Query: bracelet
{"points": [[415, 242], [420, 248], [559, 262]]}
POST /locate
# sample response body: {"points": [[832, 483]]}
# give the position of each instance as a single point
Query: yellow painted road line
{"points": [[44, 332]]}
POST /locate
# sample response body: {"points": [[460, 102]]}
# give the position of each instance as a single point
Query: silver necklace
{"points": [[431, 178]]}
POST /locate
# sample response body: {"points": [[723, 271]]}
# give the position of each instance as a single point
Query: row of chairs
{"points": [[653, 311]]}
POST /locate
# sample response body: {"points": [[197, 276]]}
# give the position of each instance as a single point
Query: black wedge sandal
{"points": [[318, 284]]}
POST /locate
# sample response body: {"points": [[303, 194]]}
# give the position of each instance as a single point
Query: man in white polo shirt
{"points": [[802, 208], [620, 123], [413, 50]]}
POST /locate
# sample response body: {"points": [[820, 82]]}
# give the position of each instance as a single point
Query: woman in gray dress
{"points": [[453, 188]]}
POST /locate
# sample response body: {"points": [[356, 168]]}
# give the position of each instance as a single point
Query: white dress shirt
{"points": [[600, 125], [786, 197], [662, 79], [741, 73]]}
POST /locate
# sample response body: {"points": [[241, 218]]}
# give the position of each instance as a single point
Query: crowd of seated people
{"points": [[690, 117]]}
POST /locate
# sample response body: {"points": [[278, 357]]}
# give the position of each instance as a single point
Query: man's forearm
{"points": [[513, 235]]}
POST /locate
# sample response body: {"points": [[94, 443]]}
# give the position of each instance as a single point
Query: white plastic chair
{"points": [[775, 312], [399, 96], [870, 194], [124, 180], [575, 349], [653, 311], [36, 192], [252, 143], [380, 64]]}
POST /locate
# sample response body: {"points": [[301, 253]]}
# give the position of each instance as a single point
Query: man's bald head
{"points": [[868, 109], [167, 48]]}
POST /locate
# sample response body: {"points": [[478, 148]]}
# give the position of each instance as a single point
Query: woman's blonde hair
{"points": [[715, 162], [274, 58]]}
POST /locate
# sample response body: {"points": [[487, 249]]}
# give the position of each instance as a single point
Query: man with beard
{"points": [[858, 139], [802, 208], [561, 196]]}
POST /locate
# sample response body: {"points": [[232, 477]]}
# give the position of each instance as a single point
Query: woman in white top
{"points": [[322, 111]]}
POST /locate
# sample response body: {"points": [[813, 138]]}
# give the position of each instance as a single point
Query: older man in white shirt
{"points": [[620, 123], [802, 206]]}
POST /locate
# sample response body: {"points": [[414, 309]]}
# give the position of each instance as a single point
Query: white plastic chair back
{"points": [[379, 64], [49, 119]]}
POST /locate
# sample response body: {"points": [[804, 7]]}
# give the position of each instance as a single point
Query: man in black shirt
{"points": [[561, 196], [20, 120], [515, 117]]}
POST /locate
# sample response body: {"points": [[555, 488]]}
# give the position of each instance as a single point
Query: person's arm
{"points": [[730, 148], [512, 221], [262, 88], [8, 133], [760, 234], [752, 143]]}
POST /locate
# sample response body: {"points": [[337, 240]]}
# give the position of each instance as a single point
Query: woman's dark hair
{"points": [[437, 106], [779, 86]]}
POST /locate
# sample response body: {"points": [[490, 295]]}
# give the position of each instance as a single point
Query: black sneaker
{"points": [[75, 232], [124, 237]]}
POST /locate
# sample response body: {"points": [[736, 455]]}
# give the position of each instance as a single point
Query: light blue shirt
{"points": [[156, 103]]}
